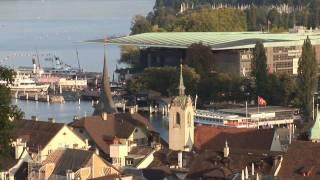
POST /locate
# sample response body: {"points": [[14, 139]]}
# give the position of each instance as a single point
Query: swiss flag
{"points": [[261, 101]]}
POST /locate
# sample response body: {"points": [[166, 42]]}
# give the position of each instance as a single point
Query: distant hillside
{"points": [[176, 4]]}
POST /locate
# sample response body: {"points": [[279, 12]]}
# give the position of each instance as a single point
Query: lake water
{"points": [[64, 113], [59, 27]]}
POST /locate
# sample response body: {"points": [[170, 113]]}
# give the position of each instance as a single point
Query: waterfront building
{"points": [[252, 117], [181, 120], [232, 51]]}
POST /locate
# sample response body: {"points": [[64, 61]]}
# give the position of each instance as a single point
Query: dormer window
{"points": [[178, 120]]}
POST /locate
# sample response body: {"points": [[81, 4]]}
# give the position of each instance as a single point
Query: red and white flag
{"points": [[261, 101]]}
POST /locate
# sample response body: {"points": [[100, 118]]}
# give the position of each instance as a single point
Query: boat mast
{"points": [[78, 60]]}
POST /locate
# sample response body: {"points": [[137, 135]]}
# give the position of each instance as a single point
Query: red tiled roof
{"points": [[119, 125], [301, 155], [214, 138]]}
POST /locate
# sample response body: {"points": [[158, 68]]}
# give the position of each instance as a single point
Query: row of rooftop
{"points": [[114, 145]]}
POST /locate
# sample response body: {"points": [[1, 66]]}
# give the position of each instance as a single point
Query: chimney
{"points": [[52, 120], [246, 173], [104, 116], [70, 175], [226, 150], [87, 143], [242, 174], [75, 118], [34, 66], [34, 118], [252, 169], [290, 133], [180, 159], [132, 110], [19, 148]]}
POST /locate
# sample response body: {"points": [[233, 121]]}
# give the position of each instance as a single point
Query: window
{"points": [[178, 119]]}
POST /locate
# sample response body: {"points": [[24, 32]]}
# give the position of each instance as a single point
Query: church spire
{"points": [[181, 84], [105, 102]]}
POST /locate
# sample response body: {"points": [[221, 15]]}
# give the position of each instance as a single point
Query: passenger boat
{"points": [[25, 84]]}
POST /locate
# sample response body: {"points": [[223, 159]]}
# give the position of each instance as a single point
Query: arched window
{"points": [[178, 119], [189, 119]]}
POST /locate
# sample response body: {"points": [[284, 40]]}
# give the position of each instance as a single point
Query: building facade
{"points": [[181, 121], [232, 51]]}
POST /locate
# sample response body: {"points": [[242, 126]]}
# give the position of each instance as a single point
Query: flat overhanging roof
{"points": [[216, 40]]}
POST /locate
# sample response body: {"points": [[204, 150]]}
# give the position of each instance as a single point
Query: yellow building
{"points": [[42, 137], [74, 164]]}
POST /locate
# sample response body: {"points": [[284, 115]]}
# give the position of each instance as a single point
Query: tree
{"points": [[164, 80], [307, 77], [8, 112], [208, 20], [130, 55], [252, 18], [259, 69], [140, 25], [200, 57]]}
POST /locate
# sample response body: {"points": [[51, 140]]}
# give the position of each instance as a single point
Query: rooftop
{"points": [[216, 40], [293, 165], [37, 134], [214, 138], [118, 125]]}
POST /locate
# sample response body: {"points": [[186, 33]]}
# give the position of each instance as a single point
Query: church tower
{"points": [[105, 102], [181, 123]]}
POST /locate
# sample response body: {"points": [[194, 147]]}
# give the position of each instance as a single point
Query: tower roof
{"points": [[315, 130], [181, 84], [106, 103]]}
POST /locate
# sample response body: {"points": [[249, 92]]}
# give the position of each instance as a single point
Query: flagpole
{"points": [[247, 113], [258, 113]]}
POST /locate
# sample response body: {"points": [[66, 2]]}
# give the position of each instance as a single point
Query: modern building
{"points": [[232, 50]]}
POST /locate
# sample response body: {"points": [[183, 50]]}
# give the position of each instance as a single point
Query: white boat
{"points": [[26, 84]]}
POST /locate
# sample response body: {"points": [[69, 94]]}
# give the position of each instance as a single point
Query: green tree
{"points": [[200, 57], [164, 80], [208, 20], [8, 112], [307, 77], [130, 55], [140, 25], [252, 18], [259, 69], [281, 89]]}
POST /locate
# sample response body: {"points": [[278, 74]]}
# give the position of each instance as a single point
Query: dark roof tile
{"points": [[37, 134]]}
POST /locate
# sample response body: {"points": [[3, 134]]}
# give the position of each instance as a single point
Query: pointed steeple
{"points": [[315, 129], [106, 103], [181, 84]]}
